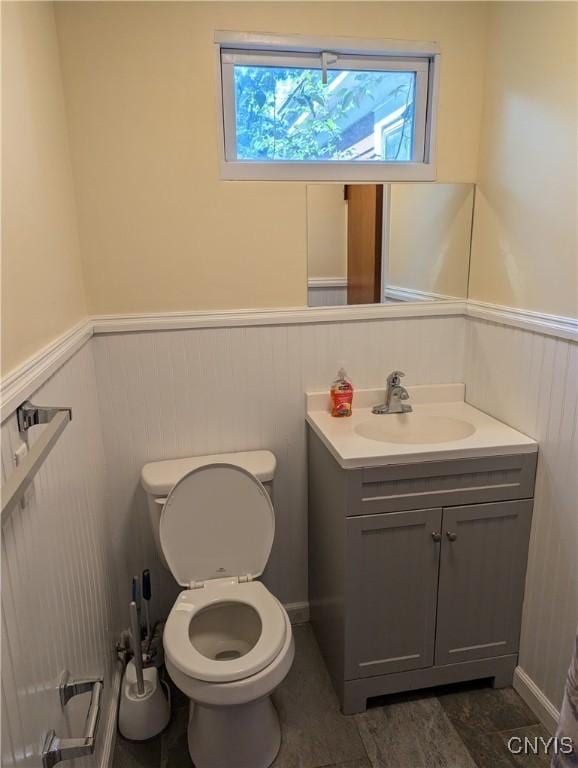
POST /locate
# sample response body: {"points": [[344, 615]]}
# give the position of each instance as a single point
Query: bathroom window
{"points": [[335, 110]]}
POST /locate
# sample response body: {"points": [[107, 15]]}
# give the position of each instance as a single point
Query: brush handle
{"points": [[136, 592], [146, 584], [137, 598], [146, 594], [137, 652]]}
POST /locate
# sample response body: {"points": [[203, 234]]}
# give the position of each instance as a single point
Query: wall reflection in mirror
{"points": [[383, 243]]}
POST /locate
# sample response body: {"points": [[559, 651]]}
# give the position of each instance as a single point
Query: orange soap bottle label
{"points": [[341, 396]]}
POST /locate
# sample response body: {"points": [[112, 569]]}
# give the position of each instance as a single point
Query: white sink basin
{"points": [[441, 426], [414, 428]]}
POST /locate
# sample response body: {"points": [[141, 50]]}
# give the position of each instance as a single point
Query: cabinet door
{"points": [[482, 574], [392, 566]]}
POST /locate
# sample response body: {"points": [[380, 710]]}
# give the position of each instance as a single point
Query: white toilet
{"points": [[228, 641]]}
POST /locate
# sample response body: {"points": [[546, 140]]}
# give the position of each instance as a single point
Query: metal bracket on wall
{"points": [[29, 415], [55, 749]]}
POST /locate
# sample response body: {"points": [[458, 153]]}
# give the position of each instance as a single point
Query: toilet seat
{"points": [[216, 531], [217, 522], [179, 647]]}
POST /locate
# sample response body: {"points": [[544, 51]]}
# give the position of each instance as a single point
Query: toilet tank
{"points": [[159, 477]]}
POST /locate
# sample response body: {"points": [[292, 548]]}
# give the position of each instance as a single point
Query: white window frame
{"points": [[352, 53]]}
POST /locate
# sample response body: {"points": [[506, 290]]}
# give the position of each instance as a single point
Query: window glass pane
{"points": [[286, 113]]}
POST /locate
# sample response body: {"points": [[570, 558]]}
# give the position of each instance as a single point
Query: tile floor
{"points": [[455, 727]]}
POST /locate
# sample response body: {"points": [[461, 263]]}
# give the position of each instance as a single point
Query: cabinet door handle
{"points": [[452, 536], [436, 536]]}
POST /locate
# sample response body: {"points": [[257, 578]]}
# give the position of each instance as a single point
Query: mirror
{"points": [[382, 243]]}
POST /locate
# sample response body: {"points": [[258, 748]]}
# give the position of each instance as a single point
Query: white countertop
{"points": [[489, 438]]}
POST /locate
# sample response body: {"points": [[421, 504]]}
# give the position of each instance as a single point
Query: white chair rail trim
{"points": [[22, 382], [550, 325], [398, 293], [327, 282], [19, 384], [168, 321]]}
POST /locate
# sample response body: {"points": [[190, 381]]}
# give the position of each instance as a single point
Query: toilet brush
{"points": [[144, 709]]}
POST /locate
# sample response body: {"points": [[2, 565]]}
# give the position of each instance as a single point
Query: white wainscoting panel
{"points": [[327, 292], [530, 381], [327, 297], [190, 392], [57, 584], [68, 556]]}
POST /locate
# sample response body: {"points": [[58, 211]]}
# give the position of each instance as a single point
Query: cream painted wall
{"points": [[42, 287], [326, 230], [160, 231], [429, 237], [525, 236]]}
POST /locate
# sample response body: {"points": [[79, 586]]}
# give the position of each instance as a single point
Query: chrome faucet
{"points": [[394, 396]]}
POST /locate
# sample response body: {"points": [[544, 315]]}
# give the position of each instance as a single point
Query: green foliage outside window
{"points": [[290, 114]]}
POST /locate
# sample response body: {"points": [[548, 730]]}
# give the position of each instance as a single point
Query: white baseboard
{"points": [[107, 754], [298, 612], [541, 706]]}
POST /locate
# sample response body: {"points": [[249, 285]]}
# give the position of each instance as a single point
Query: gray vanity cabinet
{"points": [[392, 591], [405, 594], [481, 585]]}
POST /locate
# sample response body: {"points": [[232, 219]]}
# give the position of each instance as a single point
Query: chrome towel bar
{"points": [[28, 415], [55, 749]]}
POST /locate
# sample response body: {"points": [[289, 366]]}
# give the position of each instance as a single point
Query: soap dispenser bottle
{"points": [[341, 394]]}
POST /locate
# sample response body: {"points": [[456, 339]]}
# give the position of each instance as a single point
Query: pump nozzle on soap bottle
{"points": [[341, 394]]}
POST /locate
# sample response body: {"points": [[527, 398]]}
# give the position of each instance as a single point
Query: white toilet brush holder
{"points": [[142, 715]]}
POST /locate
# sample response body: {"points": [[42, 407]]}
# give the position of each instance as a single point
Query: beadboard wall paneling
{"points": [[530, 381], [57, 585], [189, 392], [327, 296], [68, 556]]}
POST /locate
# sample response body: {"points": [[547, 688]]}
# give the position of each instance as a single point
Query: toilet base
{"points": [[245, 736]]}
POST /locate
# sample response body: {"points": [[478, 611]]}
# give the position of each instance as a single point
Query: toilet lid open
{"points": [[218, 521]]}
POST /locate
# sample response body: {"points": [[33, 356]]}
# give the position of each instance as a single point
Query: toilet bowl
{"points": [[228, 657], [228, 641]]}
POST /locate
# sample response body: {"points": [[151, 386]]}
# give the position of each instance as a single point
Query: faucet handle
{"points": [[394, 377]]}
